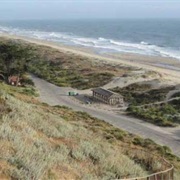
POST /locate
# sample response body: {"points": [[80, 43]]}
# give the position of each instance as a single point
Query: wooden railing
{"points": [[148, 159]]}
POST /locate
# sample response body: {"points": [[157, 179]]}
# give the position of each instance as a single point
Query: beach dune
{"points": [[168, 68]]}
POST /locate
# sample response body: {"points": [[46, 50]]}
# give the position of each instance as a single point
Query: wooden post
{"points": [[17, 81]]}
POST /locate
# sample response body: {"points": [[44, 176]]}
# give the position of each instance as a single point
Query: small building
{"points": [[14, 80], [108, 97]]}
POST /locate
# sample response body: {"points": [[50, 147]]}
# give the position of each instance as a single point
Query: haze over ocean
{"points": [[157, 37]]}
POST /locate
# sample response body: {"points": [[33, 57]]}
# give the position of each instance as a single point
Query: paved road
{"points": [[55, 95]]}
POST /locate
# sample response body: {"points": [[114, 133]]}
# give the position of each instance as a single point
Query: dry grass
{"points": [[42, 142], [65, 68]]}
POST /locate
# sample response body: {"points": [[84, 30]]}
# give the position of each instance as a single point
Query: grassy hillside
{"points": [[39, 141], [166, 115], [58, 67], [139, 96], [68, 69]]}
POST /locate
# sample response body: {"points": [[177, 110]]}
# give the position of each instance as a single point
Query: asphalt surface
{"points": [[54, 95]]}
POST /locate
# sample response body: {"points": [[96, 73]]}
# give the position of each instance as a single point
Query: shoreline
{"points": [[168, 68]]}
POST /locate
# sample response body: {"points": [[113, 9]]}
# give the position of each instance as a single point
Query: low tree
{"points": [[14, 58]]}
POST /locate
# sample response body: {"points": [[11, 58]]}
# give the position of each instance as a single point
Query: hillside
{"points": [[61, 68], [151, 104], [39, 141]]}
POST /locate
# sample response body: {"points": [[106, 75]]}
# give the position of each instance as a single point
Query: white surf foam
{"points": [[100, 43]]}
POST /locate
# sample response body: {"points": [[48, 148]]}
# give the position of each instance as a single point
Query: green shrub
{"points": [[162, 116], [27, 81], [137, 94], [138, 141], [29, 91]]}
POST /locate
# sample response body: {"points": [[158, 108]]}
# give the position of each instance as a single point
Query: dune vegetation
{"points": [[60, 68], [141, 94], [143, 103], [38, 141]]}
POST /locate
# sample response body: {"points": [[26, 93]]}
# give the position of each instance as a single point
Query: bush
{"points": [[4, 108], [29, 91], [138, 94], [27, 81], [138, 141], [157, 115]]}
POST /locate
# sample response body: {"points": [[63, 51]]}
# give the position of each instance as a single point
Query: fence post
{"points": [[162, 177], [155, 177], [167, 169], [172, 174]]}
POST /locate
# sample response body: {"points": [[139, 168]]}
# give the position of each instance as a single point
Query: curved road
{"points": [[54, 95]]}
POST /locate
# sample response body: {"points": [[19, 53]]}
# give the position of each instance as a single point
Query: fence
{"points": [[161, 169]]}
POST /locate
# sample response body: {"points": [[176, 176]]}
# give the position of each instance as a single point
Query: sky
{"points": [[88, 9]]}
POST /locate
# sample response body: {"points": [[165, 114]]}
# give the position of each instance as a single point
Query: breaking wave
{"points": [[109, 45]]}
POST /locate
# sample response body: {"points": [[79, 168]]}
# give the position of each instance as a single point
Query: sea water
{"points": [[156, 37]]}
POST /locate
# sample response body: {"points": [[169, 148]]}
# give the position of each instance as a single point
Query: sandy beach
{"points": [[168, 68]]}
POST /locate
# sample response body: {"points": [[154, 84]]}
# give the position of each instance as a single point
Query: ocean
{"points": [[160, 37]]}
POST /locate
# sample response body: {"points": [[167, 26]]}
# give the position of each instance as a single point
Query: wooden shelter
{"points": [[14, 80], [108, 97]]}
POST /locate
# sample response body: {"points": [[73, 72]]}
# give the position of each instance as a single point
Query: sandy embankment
{"points": [[169, 68]]}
